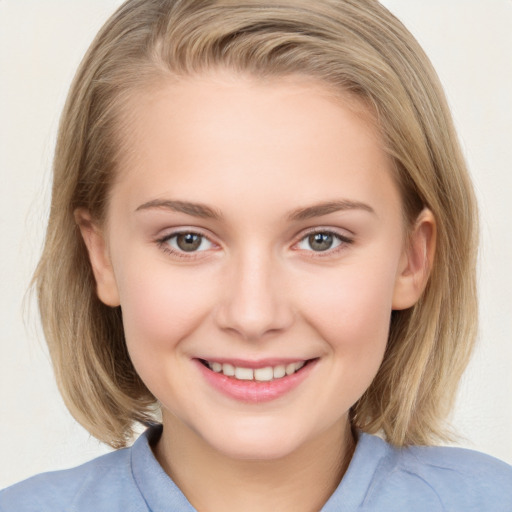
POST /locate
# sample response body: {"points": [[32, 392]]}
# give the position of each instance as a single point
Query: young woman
{"points": [[262, 246]]}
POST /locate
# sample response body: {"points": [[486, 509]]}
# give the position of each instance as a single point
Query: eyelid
{"points": [[163, 243], [343, 238]]}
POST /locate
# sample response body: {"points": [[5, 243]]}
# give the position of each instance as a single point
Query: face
{"points": [[255, 243]]}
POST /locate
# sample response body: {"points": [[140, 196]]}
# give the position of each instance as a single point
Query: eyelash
{"points": [[343, 242], [163, 243]]}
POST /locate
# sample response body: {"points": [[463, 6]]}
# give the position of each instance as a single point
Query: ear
{"points": [[416, 261], [94, 239]]}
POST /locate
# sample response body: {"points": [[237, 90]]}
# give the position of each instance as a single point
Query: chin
{"points": [[258, 450], [255, 442]]}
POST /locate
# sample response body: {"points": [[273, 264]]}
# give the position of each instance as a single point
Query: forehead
{"points": [[232, 134], [221, 98]]}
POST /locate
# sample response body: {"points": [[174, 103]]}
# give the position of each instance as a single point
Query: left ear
{"points": [[416, 261]]}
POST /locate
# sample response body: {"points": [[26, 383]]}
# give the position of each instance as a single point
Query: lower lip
{"points": [[252, 391]]}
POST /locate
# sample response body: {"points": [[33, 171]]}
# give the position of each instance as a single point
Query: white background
{"points": [[41, 43]]}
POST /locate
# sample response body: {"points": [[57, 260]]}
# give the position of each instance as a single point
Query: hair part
{"points": [[353, 46]]}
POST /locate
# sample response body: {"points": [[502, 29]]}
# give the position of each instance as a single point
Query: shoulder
{"points": [[446, 478], [104, 483]]}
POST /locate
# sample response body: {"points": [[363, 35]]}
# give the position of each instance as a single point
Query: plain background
{"points": [[41, 44]]}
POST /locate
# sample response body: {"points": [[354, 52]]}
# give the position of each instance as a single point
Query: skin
{"points": [[256, 155]]}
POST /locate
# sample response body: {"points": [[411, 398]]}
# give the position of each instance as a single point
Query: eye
{"points": [[322, 241], [187, 242]]}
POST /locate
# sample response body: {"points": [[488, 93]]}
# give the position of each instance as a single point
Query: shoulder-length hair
{"points": [[355, 46]]}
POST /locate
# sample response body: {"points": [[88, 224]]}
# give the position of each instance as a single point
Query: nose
{"points": [[255, 301]]}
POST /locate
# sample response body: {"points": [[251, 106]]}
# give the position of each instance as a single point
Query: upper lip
{"points": [[255, 364]]}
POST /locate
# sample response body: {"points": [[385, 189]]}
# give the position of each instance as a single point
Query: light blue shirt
{"points": [[380, 478]]}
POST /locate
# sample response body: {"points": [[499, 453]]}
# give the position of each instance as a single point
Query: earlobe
{"points": [[94, 240], [416, 262]]}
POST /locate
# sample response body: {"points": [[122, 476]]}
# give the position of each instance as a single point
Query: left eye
{"points": [[189, 242], [320, 241]]}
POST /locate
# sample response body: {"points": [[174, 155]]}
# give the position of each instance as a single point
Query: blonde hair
{"points": [[356, 46]]}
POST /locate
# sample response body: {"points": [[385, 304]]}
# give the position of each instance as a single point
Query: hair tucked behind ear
{"points": [[355, 46]]}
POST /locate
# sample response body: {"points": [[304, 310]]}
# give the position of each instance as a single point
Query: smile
{"points": [[266, 374], [259, 382]]}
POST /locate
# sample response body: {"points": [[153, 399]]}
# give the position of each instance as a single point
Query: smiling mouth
{"points": [[265, 374]]}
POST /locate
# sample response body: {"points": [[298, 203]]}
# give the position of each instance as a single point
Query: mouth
{"points": [[256, 382], [267, 373]]}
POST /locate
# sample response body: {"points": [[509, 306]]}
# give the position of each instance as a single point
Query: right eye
{"points": [[186, 242]]}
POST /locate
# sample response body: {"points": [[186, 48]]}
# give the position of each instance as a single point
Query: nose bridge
{"points": [[255, 302]]}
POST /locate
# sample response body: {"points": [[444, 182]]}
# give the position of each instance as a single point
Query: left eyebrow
{"points": [[317, 210]]}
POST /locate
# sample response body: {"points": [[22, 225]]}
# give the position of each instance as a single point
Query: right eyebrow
{"points": [[195, 209]]}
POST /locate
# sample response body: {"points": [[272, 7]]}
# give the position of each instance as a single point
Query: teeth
{"points": [[290, 368], [264, 374], [279, 371], [260, 374], [216, 367], [228, 369], [244, 373]]}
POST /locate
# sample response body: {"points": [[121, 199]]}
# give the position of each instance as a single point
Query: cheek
{"points": [[353, 311], [160, 306], [356, 291]]}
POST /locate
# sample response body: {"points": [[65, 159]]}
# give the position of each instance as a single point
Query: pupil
{"points": [[320, 241], [188, 242]]}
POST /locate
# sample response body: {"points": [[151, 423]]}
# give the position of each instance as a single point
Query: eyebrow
{"points": [[320, 209], [194, 209], [205, 212]]}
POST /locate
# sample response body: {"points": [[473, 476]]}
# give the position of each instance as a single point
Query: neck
{"points": [[300, 482]]}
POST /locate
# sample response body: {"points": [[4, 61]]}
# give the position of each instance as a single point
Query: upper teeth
{"points": [[260, 374]]}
